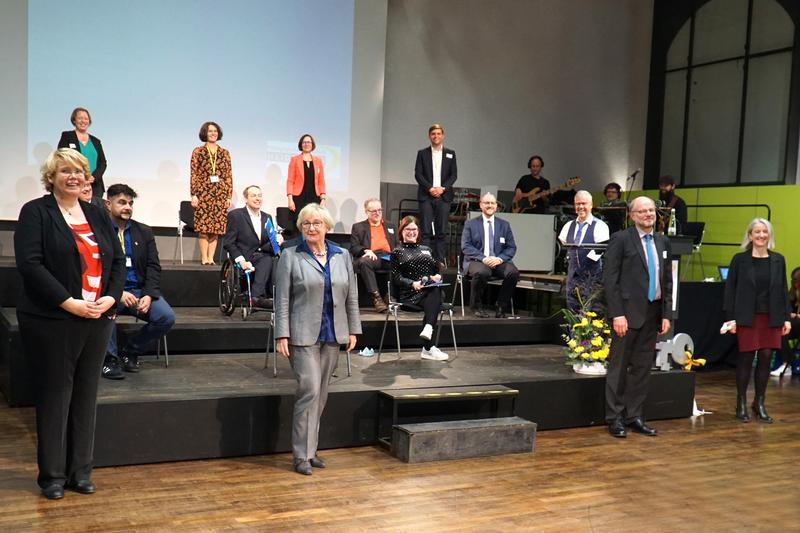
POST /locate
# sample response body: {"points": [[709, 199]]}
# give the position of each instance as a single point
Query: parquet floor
{"points": [[707, 473]]}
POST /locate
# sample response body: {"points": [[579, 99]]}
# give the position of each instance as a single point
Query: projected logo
{"points": [[279, 153]]}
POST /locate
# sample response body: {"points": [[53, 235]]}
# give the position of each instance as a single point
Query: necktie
{"points": [[581, 225], [651, 267], [491, 238]]}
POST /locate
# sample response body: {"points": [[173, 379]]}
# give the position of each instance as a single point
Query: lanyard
{"points": [[121, 235], [213, 158]]}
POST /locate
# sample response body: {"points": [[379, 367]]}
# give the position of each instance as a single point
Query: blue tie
{"points": [[651, 267], [491, 238], [578, 233]]}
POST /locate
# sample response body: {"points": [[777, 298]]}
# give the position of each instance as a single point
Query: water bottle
{"points": [[672, 229]]}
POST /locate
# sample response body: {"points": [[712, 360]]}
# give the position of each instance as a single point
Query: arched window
{"points": [[727, 83]]}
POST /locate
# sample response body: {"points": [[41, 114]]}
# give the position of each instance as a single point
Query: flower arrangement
{"points": [[588, 338]]}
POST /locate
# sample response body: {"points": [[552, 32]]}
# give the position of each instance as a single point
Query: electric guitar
{"points": [[527, 202]]}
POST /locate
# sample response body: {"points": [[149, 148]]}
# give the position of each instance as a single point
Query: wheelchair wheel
{"points": [[228, 287]]}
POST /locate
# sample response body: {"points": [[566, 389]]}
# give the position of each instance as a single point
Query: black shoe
{"points": [[479, 312], [53, 492], [741, 409], [760, 411], [638, 425], [318, 462], [84, 486], [617, 429], [303, 466], [130, 363], [262, 303], [499, 313], [111, 369]]}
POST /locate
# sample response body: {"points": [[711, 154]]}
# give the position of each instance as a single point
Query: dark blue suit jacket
{"points": [[423, 173], [472, 241]]}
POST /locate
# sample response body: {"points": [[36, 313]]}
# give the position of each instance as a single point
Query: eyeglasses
{"points": [[374, 211], [644, 211], [71, 172], [307, 142], [410, 230], [315, 225]]}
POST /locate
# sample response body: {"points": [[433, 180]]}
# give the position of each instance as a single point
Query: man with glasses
{"points": [[488, 247], [371, 242], [637, 278]]}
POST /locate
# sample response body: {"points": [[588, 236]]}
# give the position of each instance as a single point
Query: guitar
{"points": [[527, 202]]}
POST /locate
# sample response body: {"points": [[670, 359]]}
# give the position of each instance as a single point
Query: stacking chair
{"points": [[459, 288], [697, 231], [393, 312], [185, 222]]}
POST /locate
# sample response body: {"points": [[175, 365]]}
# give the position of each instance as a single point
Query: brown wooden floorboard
{"points": [[707, 473]]}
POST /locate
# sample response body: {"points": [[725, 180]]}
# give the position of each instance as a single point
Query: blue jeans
{"points": [[159, 320]]}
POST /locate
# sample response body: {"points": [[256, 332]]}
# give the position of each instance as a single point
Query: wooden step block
{"points": [[459, 439]]}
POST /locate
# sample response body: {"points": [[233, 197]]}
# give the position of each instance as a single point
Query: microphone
{"points": [[635, 173], [424, 280]]}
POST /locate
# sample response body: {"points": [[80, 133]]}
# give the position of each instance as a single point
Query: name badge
{"points": [[426, 252], [72, 145], [449, 156], [128, 262], [502, 240], [390, 230], [664, 254], [214, 178]]}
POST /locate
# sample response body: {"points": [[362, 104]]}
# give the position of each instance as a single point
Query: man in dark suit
{"points": [[141, 296], [371, 242], [637, 275], [488, 247], [436, 172], [247, 241]]}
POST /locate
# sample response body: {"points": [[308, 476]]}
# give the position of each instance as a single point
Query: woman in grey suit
{"points": [[316, 310]]}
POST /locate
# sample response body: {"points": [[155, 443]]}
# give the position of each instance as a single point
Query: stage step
{"points": [[460, 439]]}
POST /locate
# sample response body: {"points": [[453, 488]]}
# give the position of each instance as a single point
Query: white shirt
{"points": [[255, 220], [437, 165], [601, 234], [486, 233], [655, 255]]}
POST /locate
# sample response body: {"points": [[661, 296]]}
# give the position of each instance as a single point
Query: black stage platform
{"points": [[208, 406]]}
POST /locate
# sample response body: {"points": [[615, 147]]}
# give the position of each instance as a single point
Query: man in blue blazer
{"points": [[488, 247], [436, 172]]}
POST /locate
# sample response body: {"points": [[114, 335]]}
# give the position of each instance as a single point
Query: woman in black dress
{"points": [[757, 306], [413, 267]]}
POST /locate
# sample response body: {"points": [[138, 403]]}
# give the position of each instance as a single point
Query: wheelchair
{"points": [[234, 290]]}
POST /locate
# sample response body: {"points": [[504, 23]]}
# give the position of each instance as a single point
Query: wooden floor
{"points": [[707, 473]]}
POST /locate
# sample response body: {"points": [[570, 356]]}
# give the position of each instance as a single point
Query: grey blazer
{"points": [[299, 288]]}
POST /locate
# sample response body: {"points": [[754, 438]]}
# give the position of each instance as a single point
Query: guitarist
{"points": [[532, 182]]}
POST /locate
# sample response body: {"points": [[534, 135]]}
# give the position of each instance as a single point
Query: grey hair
{"points": [[484, 195], [312, 209], [636, 200], [586, 194], [747, 244], [369, 201]]}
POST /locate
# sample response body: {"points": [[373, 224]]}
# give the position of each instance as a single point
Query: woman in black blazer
{"points": [[757, 307], [73, 271], [90, 146]]}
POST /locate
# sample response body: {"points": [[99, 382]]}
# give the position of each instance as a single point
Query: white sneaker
{"points": [[434, 354], [426, 332], [778, 371]]}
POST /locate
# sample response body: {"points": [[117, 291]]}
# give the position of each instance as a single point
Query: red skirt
{"points": [[759, 335]]}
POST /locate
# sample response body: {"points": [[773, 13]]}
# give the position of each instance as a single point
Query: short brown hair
{"points": [[406, 220], [244, 192], [78, 110], [300, 142], [435, 126], [204, 131], [63, 155]]}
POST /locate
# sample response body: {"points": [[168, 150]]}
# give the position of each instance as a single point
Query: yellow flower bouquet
{"points": [[587, 337]]}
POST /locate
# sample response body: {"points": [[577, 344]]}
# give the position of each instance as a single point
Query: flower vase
{"points": [[594, 368]]}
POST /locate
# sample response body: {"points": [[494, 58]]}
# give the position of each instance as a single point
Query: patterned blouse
{"points": [[410, 263]]}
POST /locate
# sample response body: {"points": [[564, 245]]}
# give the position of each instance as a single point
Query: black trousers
{"points": [[67, 356], [631, 359], [366, 268], [260, 278], [787, 355], [479, 276], [434, 211]]}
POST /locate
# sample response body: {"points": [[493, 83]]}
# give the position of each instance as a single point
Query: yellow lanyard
{"points": [[213, 158], [121, 236]]}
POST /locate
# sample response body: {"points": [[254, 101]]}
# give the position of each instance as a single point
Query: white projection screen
{"points": [[152, 71]]}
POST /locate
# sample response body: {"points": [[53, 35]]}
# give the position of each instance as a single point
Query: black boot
{"points": [[499, 313], [760, 411], [741, 408]]}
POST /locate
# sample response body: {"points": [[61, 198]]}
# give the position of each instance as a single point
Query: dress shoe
{"points": [[83, 486], [479, 312], [499, 313], [638, 425], [130, 363], [760, 411], [741, 408], [111, 368], [318, 462], [378, 303], [303, 466], [53, 492], [617, 429], [262, 303]]}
